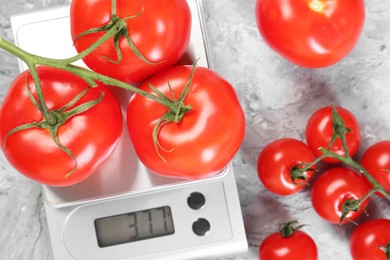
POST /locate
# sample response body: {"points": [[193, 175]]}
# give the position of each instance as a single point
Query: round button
{"points": [[201, 227], [196, 200]]}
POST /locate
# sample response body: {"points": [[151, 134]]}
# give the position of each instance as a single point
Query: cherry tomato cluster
{"points": [[59, 122], [341, 192]]}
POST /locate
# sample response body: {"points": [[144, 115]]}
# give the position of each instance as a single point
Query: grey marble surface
{"points": [[278, 98]]}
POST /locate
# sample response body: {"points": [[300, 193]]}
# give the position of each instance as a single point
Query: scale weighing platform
{"points": [[124, 211]]}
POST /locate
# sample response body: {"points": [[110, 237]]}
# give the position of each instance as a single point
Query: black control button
{"points": [[196, 200], [201, 227]]}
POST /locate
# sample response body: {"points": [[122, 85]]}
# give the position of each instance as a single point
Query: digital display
{"points": [[134, 226]]}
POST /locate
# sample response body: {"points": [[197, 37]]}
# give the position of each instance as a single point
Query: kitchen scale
{"points": [[124, 211]]}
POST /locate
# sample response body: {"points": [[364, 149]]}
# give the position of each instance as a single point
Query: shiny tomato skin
{"points": [[311, 33], [91, 136], [319, 131], [376, 160], [161, 33], [335, 186], [276, 160], [298, 246], [204, 141], [367, 239]]}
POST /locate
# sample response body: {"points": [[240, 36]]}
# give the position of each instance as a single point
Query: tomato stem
{"points": [[339, 131], [300, 170], [287, 229], [353, 205], [89, 76], [120, 27]]}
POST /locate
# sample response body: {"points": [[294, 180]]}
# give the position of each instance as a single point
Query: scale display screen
{"points": [[134, 226]]}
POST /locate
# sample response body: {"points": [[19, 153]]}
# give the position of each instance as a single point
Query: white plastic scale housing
{"points": [[123, 185]]}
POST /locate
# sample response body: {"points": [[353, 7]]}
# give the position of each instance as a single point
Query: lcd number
{"points": [[134, 226]]}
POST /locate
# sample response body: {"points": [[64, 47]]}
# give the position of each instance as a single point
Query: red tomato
{"points": [[206, 138], [376, 160], [91, 136], [277, 159], [298, 246], [368, 239], [333, 188], [311, 33], [319, 131], [161, 33]]}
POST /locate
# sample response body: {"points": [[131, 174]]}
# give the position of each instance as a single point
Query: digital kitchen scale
{"points": [[124, 211]]}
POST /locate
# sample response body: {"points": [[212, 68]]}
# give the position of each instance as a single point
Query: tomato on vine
{"points": [[376, 160], [338, 195], [371, 240], [324, 125], [200, 130], [156, 35], [311, 33], [68, 142], [279, 164], [288, 244]]}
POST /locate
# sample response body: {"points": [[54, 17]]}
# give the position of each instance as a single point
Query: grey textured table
{"points": [[278, 99]]}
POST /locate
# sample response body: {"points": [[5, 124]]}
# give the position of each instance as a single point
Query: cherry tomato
{"points": [[319, 131], [369, 240], [299, 245], [376, 160], [333, 188], [277, 159], [91, 136], [206, 138], [161, 33], [311, 33]]}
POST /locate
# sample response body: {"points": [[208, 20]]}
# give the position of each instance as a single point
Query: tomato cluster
{"points": [[341, 192], [59, 123]]}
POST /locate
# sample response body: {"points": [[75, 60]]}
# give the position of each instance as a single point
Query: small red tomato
{"points": [[298, 245], [333, 188], [319, 132], [371, 240], [376, 160], [276, 161]]}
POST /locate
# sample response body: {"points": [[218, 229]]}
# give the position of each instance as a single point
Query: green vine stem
{"points": [[90, 77]]}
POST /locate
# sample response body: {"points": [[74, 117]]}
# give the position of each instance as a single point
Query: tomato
{"points": [[311, 33], [299, 245], [319, 131], [369, 240], [206, 138], [333, 188], [91, 136], [376, 160], [277, 159], [161, 33]]}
